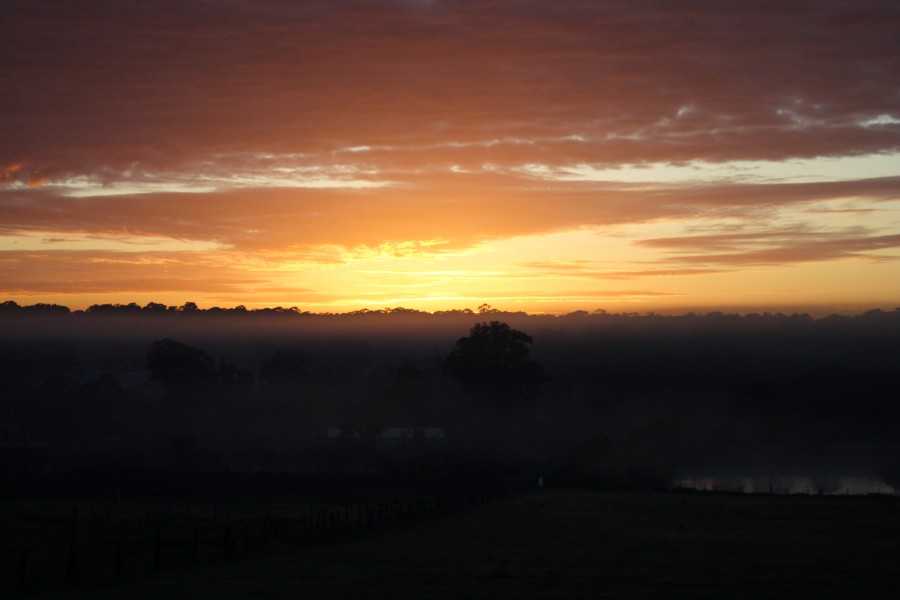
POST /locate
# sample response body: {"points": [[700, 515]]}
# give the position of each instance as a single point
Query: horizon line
{"points": [[484, 310]]}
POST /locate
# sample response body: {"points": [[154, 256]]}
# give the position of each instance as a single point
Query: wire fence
{"points": [[99, 543]]}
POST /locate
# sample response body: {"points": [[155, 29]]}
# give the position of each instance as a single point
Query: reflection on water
{"points": [[784, 484]]}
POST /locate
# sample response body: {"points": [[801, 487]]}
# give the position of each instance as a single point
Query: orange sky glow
{"points": [[631, 156]]}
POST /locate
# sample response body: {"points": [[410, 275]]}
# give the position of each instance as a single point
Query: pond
{"points": [[784, 484]]}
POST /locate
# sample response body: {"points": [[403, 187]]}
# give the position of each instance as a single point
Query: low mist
{"points": [[606, 400]]}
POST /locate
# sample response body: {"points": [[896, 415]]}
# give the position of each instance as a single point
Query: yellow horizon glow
{"points": [[515, 274]]}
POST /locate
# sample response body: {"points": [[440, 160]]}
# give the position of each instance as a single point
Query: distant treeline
{"points": [[192, 308]]}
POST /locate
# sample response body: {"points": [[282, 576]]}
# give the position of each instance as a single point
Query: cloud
{"points": [[590, 271], [100, 87], [97, 271], [433, 216], [752, 172], [776, 246], [574, 294]]}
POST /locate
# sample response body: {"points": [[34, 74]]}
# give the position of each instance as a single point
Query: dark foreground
{"points": [[574, 544]]}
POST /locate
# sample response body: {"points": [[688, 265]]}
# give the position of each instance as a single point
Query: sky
{"points": [[625, 155]]}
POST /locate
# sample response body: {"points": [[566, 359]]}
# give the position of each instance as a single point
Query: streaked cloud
{"points": [[774, 247], [818, 169]]}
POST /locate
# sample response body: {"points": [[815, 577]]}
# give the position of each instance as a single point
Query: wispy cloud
{"points": [[99, 85], [590, 271], [776, 246]]}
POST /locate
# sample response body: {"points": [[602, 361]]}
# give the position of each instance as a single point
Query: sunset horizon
{"points": [[480, 311], [626, 156]]}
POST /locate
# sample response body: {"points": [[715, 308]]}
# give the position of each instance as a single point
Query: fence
{"points": [[95, 544]]}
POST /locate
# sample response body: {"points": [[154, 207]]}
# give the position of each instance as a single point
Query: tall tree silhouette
{"points": [[180, 368], [494, 361]]}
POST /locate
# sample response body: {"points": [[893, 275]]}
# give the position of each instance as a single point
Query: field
{"points": [[570, 544]]}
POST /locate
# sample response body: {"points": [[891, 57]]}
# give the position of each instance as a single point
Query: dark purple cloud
{"points": [[91, 87]]}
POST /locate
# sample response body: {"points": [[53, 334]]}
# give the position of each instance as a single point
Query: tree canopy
{"points": [[494, 360], [178, 366]]}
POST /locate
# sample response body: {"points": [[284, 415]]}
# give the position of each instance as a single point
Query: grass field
{"points": [[578, 544]]}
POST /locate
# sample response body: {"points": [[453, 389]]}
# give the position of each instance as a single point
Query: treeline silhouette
{"points": [[603, 399], [133, 308]]}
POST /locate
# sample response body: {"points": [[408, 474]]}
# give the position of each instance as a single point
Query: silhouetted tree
{"points": [[47, 309], [189, 307], [487, 309], [155, 307], [180, 367], [9, 306], [494, 359], [113, 309]]}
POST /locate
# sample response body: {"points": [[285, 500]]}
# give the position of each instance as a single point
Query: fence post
{"points": [[23, 568], [72, 576], [226, 545], [117, 560], [157, 553], [195, 548]]}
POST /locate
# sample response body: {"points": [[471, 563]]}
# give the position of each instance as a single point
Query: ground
{"points": [[580, 544]]}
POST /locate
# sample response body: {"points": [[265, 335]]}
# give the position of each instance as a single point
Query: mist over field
{"points": [[607, 400]]}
